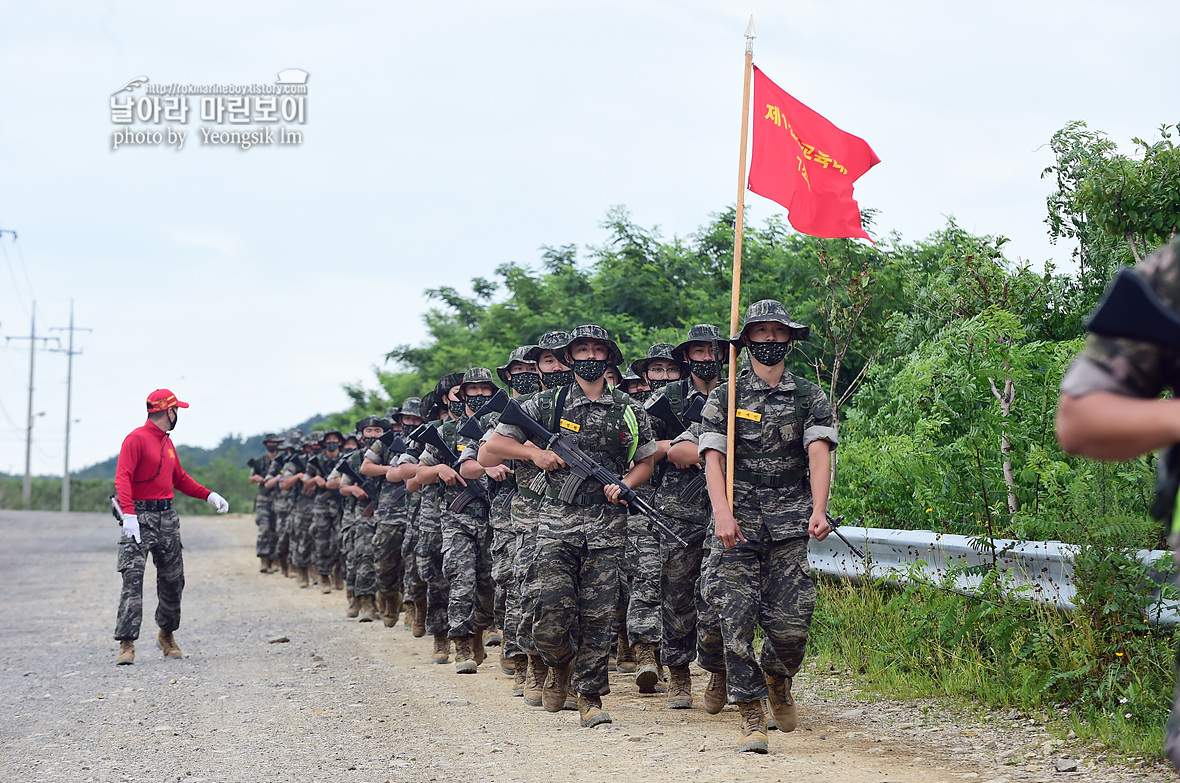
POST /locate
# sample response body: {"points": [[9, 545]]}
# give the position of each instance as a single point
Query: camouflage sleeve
{"points": [[712, 426], [373, 454], [646, 443], [1131, 367], [530, 408], [430, 457], [820, 423], [288, 471], [469, 450], [687, 436], [407, 459]]}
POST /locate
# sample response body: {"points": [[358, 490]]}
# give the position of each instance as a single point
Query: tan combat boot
{"points": [[494, 637], [557, 687], [647, 674], [409, 609], [478, 653], [126, 654], [782, 703], [534, 685], [507, 664], [166, 643], [337, 578], [716, 693], [301, 572], [520, 674], [679, 688], [625, 660], [284, 566], [420, 618], [464, 658], [590, 711], [442, 648], [264, 565], [393, 609], [354, 607], [368, 609], [753, 736], [325, 583]]}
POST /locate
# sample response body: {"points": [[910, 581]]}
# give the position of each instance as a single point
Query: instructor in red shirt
{"points": [[148, 472]]}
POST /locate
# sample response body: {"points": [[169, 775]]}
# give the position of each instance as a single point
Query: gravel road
{"points": [[352, 702]]}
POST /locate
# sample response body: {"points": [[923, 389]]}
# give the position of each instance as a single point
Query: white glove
{"points": [[131, 527], [218, 502]]}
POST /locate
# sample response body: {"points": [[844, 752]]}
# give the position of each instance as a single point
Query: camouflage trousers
{"points": [[282, 509], [765, 584], [524, 591], [387, 557], [506, 612], [467, 565], [302, 543], [159, 533], [679, 587], [325, 535], [361, 559], [429, 555], [577, 591], [710, 648], [264, 518], [413, 588], [642, 555]]}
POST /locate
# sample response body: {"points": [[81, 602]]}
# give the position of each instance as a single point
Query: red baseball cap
{"points": [[162, 400]]}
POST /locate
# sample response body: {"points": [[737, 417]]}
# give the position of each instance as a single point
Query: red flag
{"points": [[806, 163]]}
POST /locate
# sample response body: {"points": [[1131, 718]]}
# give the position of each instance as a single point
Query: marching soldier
{"points": [[264, 509]]}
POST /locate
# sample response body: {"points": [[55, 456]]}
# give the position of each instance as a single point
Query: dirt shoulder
{"points": [[346, 701]]}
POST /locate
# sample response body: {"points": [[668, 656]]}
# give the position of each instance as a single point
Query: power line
{"points": [[12, 270], [70, 354], [27, 489]]}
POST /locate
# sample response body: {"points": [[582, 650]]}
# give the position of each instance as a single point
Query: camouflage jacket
{"points": [[388, 509], [673, 480], [771, 489]]}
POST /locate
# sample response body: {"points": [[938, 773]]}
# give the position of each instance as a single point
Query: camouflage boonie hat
{"points": [[293, 440], [476, 375], [550, 341], [392, 412], [272, 436], [596, 332], [372, 421], [328, 432], [310, 439], [446, 383], [429, 405], [657, 351], [772, 311], [517, 355], [629, 378], [702, 333], [412, 406]]}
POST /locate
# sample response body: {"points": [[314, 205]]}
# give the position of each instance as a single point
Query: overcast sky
{"points": [[442, 139]]}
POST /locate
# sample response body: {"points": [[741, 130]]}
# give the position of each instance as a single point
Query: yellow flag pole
{"points": [[735, 300]]}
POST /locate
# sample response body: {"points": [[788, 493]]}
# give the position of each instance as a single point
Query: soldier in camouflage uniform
{"points": [[521, 377], [576, 562], [429, 550], [292, 480], [686, 508], [529, 671], [644, 620], [467, 558], [1110, 406], [326, 509], [349, 512], [391, 522], [785, 432], [283, 500], [361, 565], [413, 588], [264, 509], [635, 387]]}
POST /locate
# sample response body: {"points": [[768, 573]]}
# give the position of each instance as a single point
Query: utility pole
{"points": [[27, 488], [70, 354]]}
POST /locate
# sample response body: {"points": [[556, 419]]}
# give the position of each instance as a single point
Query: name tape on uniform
{"points": [[571, 426], [751, 415]]}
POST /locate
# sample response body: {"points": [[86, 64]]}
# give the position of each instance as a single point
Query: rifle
{"points": [[834, 522], [1131, 310], [367, 484], [472, 490], [582, 467], [661, 408], [394, 442], [253, 465]]}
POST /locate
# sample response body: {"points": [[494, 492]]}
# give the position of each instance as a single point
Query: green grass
{"points": [[920, 641]]}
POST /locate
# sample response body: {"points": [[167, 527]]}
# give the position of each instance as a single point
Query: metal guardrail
{"points": [[1040, 571]]}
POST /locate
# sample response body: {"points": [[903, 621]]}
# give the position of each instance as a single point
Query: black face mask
{"points": [[557, 378], [657, 384], [706, 371], [769, 354], [525, 382], [641, 396], [589, 369], [456, 407], [476, 402], [331, 446], [175, 417], [370, 441]]}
